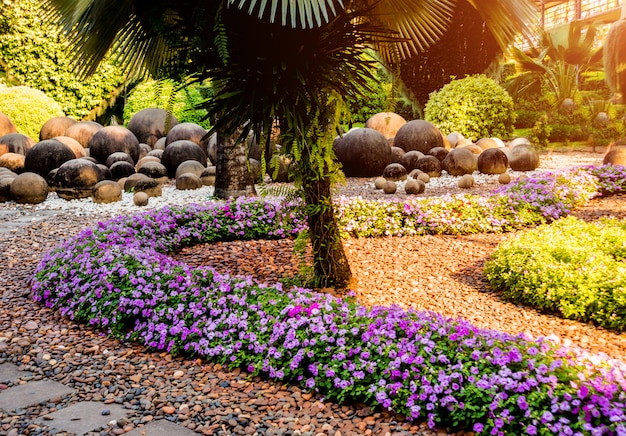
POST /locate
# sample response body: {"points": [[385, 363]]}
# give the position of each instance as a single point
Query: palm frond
{"points": [[506, 19], [309, 13]]}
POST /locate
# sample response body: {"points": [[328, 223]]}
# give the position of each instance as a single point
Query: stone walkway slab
{"points": [[81, 418], [162, 428], [10, 372], [30, 393]]}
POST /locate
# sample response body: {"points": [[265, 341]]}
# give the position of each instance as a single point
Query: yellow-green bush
{"points": [[569, 267], [475, 106], [28, 108]]}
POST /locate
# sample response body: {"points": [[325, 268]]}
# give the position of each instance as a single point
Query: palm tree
{"points": [[278, 60]]}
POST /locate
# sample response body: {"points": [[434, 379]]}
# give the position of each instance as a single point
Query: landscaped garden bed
{"points": [[419, 364]]}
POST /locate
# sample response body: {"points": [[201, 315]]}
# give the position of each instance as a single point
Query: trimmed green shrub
{"points": [[28, 108], [475, 106], [33, 52], [165, 94], [525, 119], [570, 267]]}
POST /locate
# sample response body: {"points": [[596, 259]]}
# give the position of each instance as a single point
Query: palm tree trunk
{"points": [[330, 264], [232, 176]]}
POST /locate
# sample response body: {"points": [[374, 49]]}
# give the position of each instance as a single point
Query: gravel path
{"points": [[438, 273]]}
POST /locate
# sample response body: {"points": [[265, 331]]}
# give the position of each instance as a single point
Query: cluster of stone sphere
{"points": [[392, 149], [85, 159]]}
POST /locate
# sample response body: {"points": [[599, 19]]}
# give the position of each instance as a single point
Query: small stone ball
{"points": [[389, 187], [208, 176], [379, 182], [414, 187], [141, 198], [188, 181], [466, 181], [394, 172], [504, 179], [106, 191], [29, 188], [190, 166]]}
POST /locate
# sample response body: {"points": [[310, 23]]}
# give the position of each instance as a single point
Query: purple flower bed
{"points": [[118, 277]]}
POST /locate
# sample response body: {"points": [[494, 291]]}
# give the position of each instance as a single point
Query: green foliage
{"points": [[33, 53], [166, 94], [475, 106], [28, 108], [527, 118], [570, 267], [377, 96], [540, 133]]}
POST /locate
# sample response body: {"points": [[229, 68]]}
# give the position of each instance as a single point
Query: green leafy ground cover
{"points": [[117, 277]]}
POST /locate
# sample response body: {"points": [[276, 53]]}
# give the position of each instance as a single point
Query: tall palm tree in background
{"points": [[284, 61]]}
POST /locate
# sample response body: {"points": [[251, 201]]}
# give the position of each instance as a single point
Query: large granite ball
{"points": [[106, 191], [29, 188], [13, 162], [418, 135], [460, 161], [387, 123], [82, 131], [363, 152], [16, 143], [493, 161], [55, 127], [47, 155], [76, 179], [111, 139], [178, 152], [151, 124]]}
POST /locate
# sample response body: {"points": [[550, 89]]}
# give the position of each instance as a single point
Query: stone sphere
{"points": [[429, 165], [188, 181], [486, 143], [78, 150], [504, 179], [466, 181], [492, 161], [16, 143], [121, 169], [190, 132], [55, 127], [190, 166], [142, 183], [154, 170], [523, 158], [615, 156], [106, 191], [105, 171], [46, 156], [454, 138], [29, 188], [410, 158], [151, 124], [155, 153], [473, 148], [160, 144], [5, 189], [144, 149], [396, 154], [363, 152], [13, 162], [387, 123], [141, 199], [178, 152], [144, 160], [208, 176], [6, 125], [110, 139], [119, 156], [519, 141], [414, 187], [418, 135], [439, 152], [389, 187], [460, 161], [379, 182], [394, 172], [82, 131], [76, 179]]}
